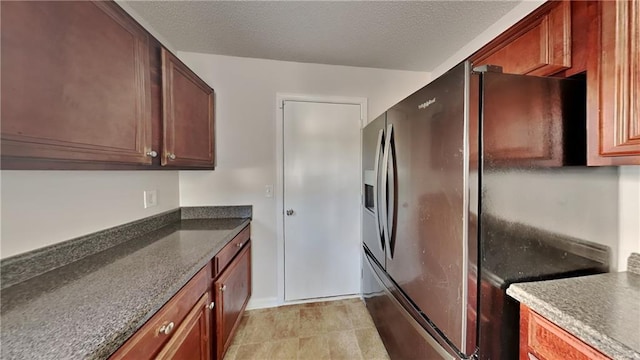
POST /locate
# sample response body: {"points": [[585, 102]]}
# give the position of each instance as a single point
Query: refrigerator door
{"points": [[427, 202], [372, 156]]}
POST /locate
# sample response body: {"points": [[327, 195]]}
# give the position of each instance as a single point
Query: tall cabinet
{"points": [[614, 85]]}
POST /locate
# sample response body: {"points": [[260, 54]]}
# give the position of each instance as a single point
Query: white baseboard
{"points": [[329, 298], [262, 303]]}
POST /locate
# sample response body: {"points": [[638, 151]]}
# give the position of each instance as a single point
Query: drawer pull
{"points": [[223, 287], [239, 245], [166, 328], [171, 156], [212, 305]]}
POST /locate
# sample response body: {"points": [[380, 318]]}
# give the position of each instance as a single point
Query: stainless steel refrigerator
{"points": [[435, 264]]}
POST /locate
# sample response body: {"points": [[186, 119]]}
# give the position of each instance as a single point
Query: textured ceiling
{"points": [[407, 35]]}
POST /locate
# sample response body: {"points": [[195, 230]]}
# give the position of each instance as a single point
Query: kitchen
{"points": [[246, 161]]}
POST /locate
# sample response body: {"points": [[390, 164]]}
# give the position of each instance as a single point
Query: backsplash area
{"points": [[578, 202]]}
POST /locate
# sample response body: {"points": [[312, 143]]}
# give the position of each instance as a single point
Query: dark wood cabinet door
{"points": [[539, 45], [75, 84], [614, 86], [543, 340], [232, 291], [191, 339], [188, 115]]}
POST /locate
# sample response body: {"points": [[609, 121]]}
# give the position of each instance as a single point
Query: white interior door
{"points": [[321, 199]]}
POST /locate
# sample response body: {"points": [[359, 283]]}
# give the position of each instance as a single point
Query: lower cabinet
{"points": [[232, 291], [192, 339], [200, 320], [542, 340]]}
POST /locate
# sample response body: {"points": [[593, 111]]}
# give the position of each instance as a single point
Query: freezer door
{"points": [[426, 196], [372, 146], [403, 336]]}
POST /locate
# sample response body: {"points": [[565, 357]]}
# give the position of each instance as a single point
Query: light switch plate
{"points": [[268, 191], [150, 198]]}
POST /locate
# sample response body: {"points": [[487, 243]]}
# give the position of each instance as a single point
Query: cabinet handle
{"points": [[212, 305], [152, 153], [223, 287], [166, 328], [171, 156], [239, 245]]}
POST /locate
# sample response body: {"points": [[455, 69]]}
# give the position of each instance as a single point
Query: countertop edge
{"points": [[615, 349], [115, 342]]}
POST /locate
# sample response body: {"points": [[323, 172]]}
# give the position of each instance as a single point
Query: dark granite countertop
{"points": [[513, 252], [602, 310], [89, 308], [517, 260]]}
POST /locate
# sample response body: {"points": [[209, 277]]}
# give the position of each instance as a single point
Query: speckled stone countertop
{"points": [[602, 310], [89, 308]]}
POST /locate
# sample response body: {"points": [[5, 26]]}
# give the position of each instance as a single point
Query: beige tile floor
{"points": [[324, 330]]}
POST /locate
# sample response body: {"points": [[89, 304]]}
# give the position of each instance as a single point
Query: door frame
{"points": [[279, 188]]}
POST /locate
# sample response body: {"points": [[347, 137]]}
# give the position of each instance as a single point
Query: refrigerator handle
{"points": [[385, 203], [391, 196], [376, 198]]}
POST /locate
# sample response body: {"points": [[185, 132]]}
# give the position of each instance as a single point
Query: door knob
{"points": [[289, 212]]}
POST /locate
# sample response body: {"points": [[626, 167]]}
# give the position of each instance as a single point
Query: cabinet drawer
{"points": [[146, 343], [547, 341], [224, 257]]}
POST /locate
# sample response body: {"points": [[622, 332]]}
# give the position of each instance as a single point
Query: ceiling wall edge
{"points": [[505, 22], [240, 58], [134, 14]]}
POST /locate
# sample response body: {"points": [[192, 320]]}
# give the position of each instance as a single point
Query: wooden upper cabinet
{"points": [[75, 84], [614, 86], [188, 116], [231, 290], [541, 45]]}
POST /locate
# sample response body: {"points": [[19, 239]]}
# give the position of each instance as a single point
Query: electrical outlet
{"points": [[150, 198]]}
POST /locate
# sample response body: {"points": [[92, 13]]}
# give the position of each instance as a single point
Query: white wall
{"points": [[246, 136], [41, 208], [629, 199], [579, 202]]}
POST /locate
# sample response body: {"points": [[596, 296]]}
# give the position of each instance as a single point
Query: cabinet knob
{"points": [[239, 245], [223, 287], [212, 305], [166, 328], [171, 156], [152, 153]]}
